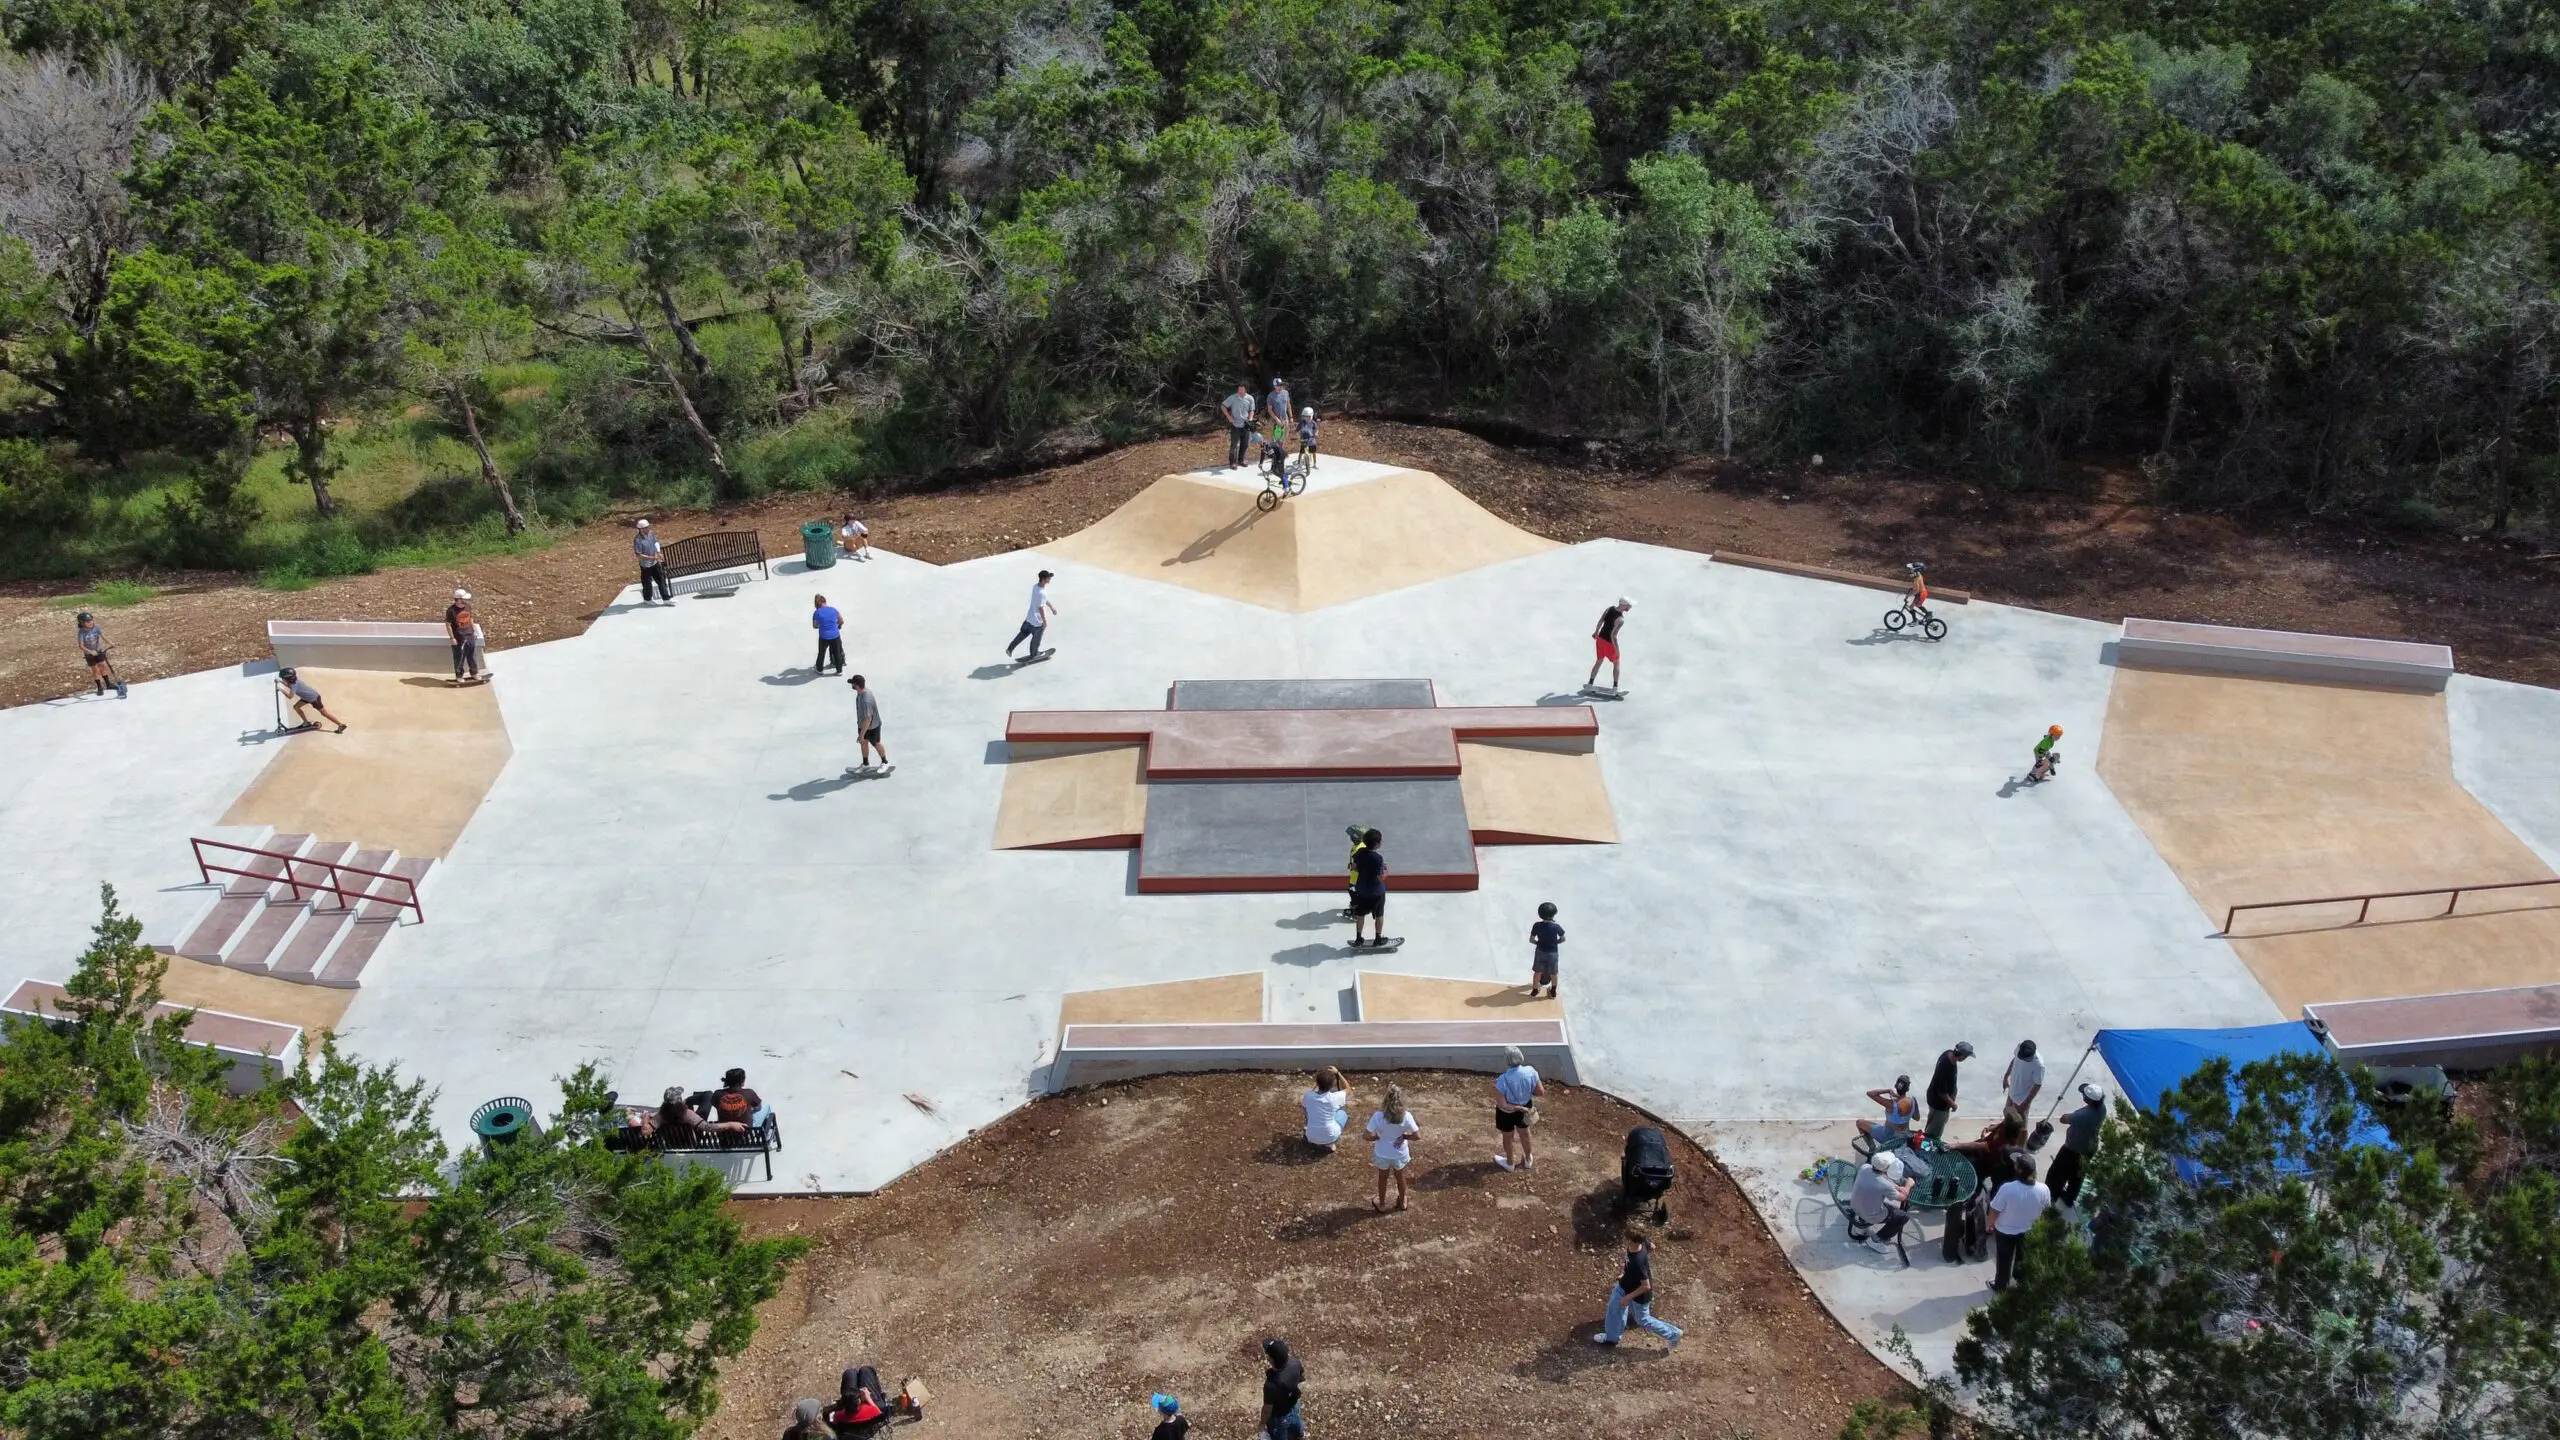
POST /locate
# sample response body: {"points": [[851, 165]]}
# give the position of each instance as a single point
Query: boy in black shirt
{"points": [[1282, 1384], [1546, 941], [1632, 1297], [1369, 888], [1171, 1425]]}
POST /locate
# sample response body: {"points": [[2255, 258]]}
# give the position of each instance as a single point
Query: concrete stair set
{"points": [[262, 924]]}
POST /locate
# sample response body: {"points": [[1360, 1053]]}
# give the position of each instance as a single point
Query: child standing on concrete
{"points": [[1546, 945], [93, 650], [866, 718]]}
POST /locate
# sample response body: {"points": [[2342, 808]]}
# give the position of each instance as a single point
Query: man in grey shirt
{"points": [[2080, 1130], [653, 570], [1238, 408], [866, 718]]}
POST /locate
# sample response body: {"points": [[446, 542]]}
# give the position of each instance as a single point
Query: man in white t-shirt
{"points": [[2023, 1078], [1036, 623], [2014, 1208], [1515, 1101]]}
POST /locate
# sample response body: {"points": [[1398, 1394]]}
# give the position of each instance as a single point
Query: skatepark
{"points": [[1795, 860]]}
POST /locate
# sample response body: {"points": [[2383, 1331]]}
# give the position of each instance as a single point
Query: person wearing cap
{"points": [[1515, 1104], [2022, 1082], [1283, 1386], [1170, 1424], [2080, 1131], [1941, 1095], [652, 558], [1238, 408], [93, 650], [1881, 1199], [1275, 406], [304, 699], [1604, 642], [1035, 623], [809, 1422], [463, 628]]}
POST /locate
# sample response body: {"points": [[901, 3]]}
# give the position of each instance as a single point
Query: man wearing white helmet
{"points": [[2080, 1130], [653, 569], [463, 628], [1604, 642], [1307, 434]]}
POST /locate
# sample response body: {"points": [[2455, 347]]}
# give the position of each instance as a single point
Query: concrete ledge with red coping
{"points": [[2283, 655], [2460, 1030]]}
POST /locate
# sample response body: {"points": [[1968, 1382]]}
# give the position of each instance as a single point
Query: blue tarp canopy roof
{"points": [[2150, 1063]]}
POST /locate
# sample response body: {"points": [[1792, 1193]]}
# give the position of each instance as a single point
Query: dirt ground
{"points": [[2105, 555], [1049, 1274]]}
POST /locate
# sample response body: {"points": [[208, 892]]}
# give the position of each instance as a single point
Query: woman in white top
{"points": [[1392, 1127], [857, 538], [1328, 1108]]}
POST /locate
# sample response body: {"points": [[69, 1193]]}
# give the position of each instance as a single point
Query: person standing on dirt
{"points": [[1369, 888], [1941, 1096], [1515, 1104], [828, 621], [1035, 624], [652, 558], [463, 629], [1238, 408], [1604, 642], [93, 650], [1391, 1129], [1283, 1386], [1632, 1297]]}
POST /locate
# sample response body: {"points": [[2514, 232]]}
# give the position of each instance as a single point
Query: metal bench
{"points": [[713, 551], [762, 1140]]}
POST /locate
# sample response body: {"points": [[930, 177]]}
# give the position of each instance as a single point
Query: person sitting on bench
{"points": [[734, 1107]]}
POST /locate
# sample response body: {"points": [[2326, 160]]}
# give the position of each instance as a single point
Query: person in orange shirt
{"points": [[1917, 597]]}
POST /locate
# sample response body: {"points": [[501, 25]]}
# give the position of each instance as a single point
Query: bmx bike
{"points": [[1276, 488], [1917, 616]]}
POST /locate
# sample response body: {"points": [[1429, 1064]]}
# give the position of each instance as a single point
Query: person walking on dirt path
{"points": [[1035, 623], [1275, 406], [2022, 1081], [304, 699], [1238, 408], [463, 628], [1604, 642], [1632, 1297], [2080, 1130], [1941, 1095], [866, 718], [1515, 1104], [1284, 1384], [1391, 1131], [93, 650], [856, 538], [1546, 951], [652, 558], [1369, 888], [828, 621]]}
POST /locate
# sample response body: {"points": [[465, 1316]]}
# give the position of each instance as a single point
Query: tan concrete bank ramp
{"points": [[418, 757], [2257, 790], [1215, 999], [1385, 995], [1531, 794], [1336, 543], [1073, 797]]}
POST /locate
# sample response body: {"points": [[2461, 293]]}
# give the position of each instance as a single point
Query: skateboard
{"points": [[874, 771], [1036, 658], [1603, 692], [1387, 946]]}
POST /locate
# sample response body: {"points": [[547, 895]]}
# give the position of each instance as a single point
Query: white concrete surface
{"points": [[2506, 752], [1826, 875]]}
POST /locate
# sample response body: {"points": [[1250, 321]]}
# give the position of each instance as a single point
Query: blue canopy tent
{"points": [[2150, 1063]]}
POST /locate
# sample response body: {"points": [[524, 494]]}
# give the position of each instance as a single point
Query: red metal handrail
{"points": [[346, 898], [2364, 903]]}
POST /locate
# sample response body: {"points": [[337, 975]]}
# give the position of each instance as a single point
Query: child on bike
{"points": [[1307, 436], [1917, 596], [1275, 452], [2046, 759]]}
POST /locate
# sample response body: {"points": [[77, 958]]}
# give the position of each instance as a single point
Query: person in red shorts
{"points": [[1604, 642]]}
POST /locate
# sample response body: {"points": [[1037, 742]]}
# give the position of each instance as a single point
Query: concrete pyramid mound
{"points": [[1359, 530]]}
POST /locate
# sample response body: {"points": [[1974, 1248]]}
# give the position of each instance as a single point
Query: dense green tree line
{"points": [[309, 1262], [2295, 252]]}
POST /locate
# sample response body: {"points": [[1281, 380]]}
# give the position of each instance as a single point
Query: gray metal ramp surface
{"points": [[1231, 835], [1303, 695]]}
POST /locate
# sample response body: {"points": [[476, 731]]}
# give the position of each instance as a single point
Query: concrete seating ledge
{"points": [[360, 644], [259, 1050], [1093, 1054], [2283, 655], [2459, 1030]]}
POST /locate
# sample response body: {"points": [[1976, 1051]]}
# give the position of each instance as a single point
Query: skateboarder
{"points": [[305, 699], [1238, 408], [1369, 888], [93, 649], [828, 621], [1546, 946], [653, 570], [866, 719], [1035, 624], [1604, 643], [463, 629], [2047, 760]]}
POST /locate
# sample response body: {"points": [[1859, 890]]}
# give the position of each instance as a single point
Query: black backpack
{"points": [[1645, 1173]]}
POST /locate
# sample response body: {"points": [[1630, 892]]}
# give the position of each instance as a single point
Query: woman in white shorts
{"points": [[1391, 1128], [1328, 1108]]}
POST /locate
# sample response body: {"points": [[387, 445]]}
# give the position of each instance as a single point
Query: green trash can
{"points": [[503, 1122], [818, 544]]}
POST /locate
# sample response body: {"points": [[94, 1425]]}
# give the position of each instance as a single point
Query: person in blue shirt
{"points": [[828, 621], [1515, 1102]]}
